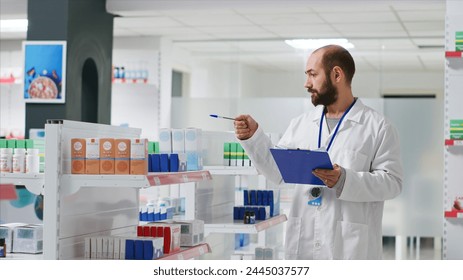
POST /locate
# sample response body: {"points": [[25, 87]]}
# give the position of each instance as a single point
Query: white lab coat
{"points": [[348, 226]]}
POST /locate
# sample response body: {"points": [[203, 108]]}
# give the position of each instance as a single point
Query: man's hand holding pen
{"points": [[245, 127]]}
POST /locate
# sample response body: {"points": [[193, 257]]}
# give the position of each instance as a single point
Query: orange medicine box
{"points": [[107, 152], [122, 156], [78, 155], [92, 156], [139, 156]]}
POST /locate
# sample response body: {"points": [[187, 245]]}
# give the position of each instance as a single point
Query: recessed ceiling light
{"points": [[13, 25], [311, 44]]}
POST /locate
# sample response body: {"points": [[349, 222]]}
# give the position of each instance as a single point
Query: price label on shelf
{"points": [[180, 256], [204, 176], [201, 250], [185, 178], [157, 181]]}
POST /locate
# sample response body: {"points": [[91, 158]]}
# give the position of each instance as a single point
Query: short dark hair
{"points": [[335, 55]]}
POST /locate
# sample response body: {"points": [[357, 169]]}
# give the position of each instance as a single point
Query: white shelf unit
{"points": [[32, 182], [244, 177], [453, 151], [231, 170], [20, 256], [240, 227], [187, 253], [78, 206]]}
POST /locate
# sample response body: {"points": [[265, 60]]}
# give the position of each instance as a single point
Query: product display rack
{"points": [[32, 182], [79, 206], [231, 170], [240, 227], [75, 181], [455, 54], [243, 175], [187, 253], [453, 214], [453, 142], [453, 156]]}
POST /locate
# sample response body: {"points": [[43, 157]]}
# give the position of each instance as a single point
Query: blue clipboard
{"points": [[296, 166]]}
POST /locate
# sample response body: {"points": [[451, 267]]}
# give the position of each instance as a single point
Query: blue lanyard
{"points": [[336, 129]]}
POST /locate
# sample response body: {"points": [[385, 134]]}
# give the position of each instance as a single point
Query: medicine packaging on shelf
{"points": [[167, 162], [107, 154], [178, 141], [139, 156], [261, 212], [234, 155], [193, 149], [263, 197], [78, 154], [456, 129], [123, 248], [92, 156], [122, 156], [28, 239], [165, 141], [191, 232], [155, 213], [241, 240], [6, 231], [170, 233], [20, 156]]}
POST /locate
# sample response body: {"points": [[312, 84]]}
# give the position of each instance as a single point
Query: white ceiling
{"points": [[388, 35]]}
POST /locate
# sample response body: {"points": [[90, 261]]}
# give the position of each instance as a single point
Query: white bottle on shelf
{"points": [[19, 160], [6, 160], [32, 161]]}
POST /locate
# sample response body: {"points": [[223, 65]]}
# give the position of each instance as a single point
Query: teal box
{"points": [[21, 144], [11, 143], [2, 143], [29, 143], [151, 147]]}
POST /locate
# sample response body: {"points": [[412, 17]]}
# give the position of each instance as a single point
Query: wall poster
{"points": [[44, 71]]}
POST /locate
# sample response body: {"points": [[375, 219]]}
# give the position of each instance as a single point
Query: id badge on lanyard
{"points": [[316, 193]]}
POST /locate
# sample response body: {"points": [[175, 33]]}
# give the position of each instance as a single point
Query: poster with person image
{"points": [[44, 71]]}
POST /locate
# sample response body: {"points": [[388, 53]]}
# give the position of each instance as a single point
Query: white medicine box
{"points": [[28, 239]]}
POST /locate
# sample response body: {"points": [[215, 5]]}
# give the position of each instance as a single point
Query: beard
{"points": [[326, 96]]}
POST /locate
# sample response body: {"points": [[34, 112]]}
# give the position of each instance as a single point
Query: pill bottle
{"points": [[32, 161], [2, 248], [19, 160], [6, 160]]}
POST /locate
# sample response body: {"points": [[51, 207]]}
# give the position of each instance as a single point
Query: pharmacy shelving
{"points": [[453, 142], [453, 157], [231, 170], [187, 253], [240, 227], [33, 182], [453, 214], [454, 54], [74, 182], [79, 206], [20, 256]]}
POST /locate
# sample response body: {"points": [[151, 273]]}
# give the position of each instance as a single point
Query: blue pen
{"points": [[221, 117]]}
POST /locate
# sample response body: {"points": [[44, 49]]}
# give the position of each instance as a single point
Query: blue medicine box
{"points": [[164, 163]]}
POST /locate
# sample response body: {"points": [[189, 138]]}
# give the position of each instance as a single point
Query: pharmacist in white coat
{"points": [[344, 219]]}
